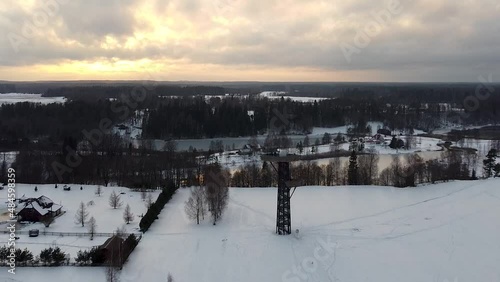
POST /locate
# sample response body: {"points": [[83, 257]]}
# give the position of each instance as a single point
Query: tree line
{"points": [[409, 171]]}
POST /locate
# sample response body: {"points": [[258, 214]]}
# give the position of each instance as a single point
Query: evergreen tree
{"points": [[327, 138], [352, 172], [497, 170], [489, 163], [473, 177], [3, 173]]}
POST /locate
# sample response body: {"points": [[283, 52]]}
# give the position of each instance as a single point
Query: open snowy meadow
{"points": [[442, 232]]}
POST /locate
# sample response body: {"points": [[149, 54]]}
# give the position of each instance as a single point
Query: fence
{"points": [[74, 234]]}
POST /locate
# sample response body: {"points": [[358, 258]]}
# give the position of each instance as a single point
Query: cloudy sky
{"points": [[257, 40]]}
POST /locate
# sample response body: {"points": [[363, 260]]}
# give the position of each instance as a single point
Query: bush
{"points": [[83, 257], [46, 256], [131, 242], [4, 252], [97, 256], [53, 256], [24, 255], [58, 256]]}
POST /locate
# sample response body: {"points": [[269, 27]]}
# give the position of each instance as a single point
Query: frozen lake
{"points": [[13, 98]]}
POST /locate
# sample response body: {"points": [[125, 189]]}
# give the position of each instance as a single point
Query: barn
{"points": [[37, 209], [112, 250]]}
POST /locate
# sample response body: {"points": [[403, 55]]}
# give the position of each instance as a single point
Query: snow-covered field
{"points": [[107, 218], [443, 232], [424, 146], [12, 98]]}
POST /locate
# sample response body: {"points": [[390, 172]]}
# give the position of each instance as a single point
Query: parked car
{"points": [[66, 188], [34, 232]]}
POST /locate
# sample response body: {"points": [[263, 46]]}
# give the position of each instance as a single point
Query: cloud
{"points": [[429, 40]]}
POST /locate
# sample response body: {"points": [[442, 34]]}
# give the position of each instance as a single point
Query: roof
{"points": [[37, 207], [42, 204], [111, 242], [44, 201]]}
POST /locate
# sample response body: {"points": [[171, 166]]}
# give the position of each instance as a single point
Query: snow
{"points": [[442, 232], [12, 98], [38, 208], [107, 218], [45, 200], [424, 146], [318, 132], [133, 125]]}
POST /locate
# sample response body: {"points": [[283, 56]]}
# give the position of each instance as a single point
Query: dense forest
{"points": [[234, 116], [49, 137], [106, 92]]}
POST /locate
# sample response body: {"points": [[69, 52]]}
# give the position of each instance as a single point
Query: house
{"points": [[246, 150], [37, 209], [249, 149]]}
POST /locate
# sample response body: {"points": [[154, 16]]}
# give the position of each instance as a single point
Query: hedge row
{"points": [[155, 209]]}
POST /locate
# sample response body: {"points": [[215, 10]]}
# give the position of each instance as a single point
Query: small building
{"points": [[249, 149], [37, 209], [113, 250]]}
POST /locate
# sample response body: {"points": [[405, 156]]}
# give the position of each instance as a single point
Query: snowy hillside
{"points": [[443, 232]]}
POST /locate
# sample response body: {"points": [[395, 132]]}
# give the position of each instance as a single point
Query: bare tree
{"points": [[216, 193], [397, 172], [98, 190], [385, 177], [170, 278], [81, 214], [195, 205], [368, 167], [149, 200], [114, 200], [92, 226], [112, 273], [144, 193], [128, 216], [337, 170], [120, 232], [170, 146]]}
